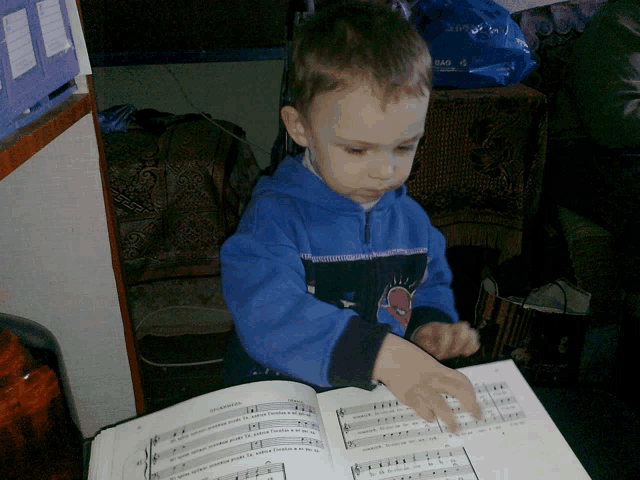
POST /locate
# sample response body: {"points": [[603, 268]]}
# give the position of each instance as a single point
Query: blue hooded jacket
{"points": [[314, 282]]}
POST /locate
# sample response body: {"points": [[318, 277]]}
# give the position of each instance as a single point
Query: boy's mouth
{"points": [[372, 193], [375, 192]]}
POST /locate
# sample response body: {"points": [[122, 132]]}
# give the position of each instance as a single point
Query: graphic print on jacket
{"points": [[385, 282]]}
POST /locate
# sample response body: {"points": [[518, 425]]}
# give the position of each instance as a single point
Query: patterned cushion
{"points": [[178, 195]]}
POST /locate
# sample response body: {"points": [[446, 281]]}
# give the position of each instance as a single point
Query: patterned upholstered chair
{"points": [[179, 186]]}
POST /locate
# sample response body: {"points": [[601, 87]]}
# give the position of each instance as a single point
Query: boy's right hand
{"points": [[419, 381]]}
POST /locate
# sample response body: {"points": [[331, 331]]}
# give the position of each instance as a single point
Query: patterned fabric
{"points": [[178, 196], [478, 173]]}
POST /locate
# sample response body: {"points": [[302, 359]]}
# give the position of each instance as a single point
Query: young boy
{"points": [[335, 277]]}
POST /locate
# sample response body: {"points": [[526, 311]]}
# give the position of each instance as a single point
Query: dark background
{"points": [[124, 26]]}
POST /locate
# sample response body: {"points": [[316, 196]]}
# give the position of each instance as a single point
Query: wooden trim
{"points": [[112, 227], [25, 142]]}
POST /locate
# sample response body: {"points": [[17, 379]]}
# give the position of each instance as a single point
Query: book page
{"points": [[373, 436], [261, 431]]}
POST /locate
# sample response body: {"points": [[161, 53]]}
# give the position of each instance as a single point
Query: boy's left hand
{"points": [[447, 340]]}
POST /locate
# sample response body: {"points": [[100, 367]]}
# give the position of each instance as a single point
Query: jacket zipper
{"points": [[372, 274], [367, 228]]}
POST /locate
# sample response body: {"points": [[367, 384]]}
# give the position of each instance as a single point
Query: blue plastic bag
{"points": [[116, 118], [474, 43]]}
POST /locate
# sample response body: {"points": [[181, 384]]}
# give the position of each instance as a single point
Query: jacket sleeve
{"points": [[433, 300], [278, 322]]}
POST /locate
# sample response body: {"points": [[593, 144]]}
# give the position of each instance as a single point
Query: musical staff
{"points": [[374, 422], [393, 437], [230, 415], [391, 421], [376, 408], [409, 459], [448, 462], [485, 422], [212, 439], [236, 450], [453, 472]]}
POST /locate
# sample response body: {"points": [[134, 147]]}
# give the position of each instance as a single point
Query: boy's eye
{"points": [[354, 150], [402, 149], [406, 148]]}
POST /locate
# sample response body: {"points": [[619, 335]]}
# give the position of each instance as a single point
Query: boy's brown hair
{"points": [[350, 43]]}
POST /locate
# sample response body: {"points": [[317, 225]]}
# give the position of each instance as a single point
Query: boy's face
{"points": [[358, 148]]}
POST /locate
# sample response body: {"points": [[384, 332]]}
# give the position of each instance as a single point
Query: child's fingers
{"points": [[465, 340], [468, 401], [442, 410], [444, 344], [473, 345], [429, 404], [472, 407], [468, 342], [466, 395], [430, 417], [416, 399], [457, 385]]}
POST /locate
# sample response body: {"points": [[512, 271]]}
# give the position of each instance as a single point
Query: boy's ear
{"points": [[295, 125]]}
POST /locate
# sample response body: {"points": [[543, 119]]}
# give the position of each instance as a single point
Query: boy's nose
{"points": [[382, 169]]}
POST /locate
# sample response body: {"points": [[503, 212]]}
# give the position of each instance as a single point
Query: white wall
{"points": [[55, 269]]}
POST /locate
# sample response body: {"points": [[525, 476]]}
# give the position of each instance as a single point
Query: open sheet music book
{"points": [[283, 430]]}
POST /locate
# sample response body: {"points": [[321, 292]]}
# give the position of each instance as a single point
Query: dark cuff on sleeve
{"points": [[423, 315], [355, 354]]}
